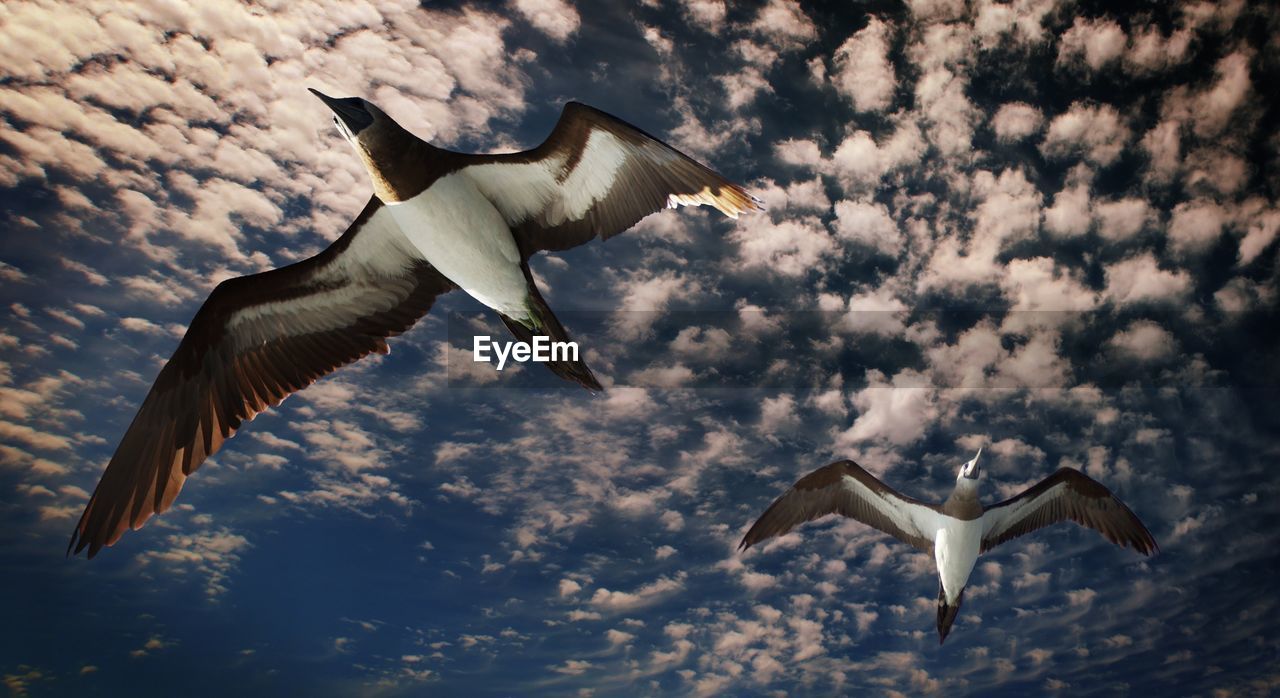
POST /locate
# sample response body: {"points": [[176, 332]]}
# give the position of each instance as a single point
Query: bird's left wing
{"points": [[256, 340], [844, 487], [595, 175], [1067, 495]]}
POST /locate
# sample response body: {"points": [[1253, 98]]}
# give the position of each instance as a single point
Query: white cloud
{"points": [[1069, 215], [626, 403], [785, 25], [645, 294], [1019, 21], [706, 14], [145, 326], [621, 601], [706, 344], [937, 10], [1015, 121], [1213, 109], [744, 86], [1041, 285], [778, 414], [1009, 212], [569, 587], [213, 555], [863, 73], [1144, 340], [555, 18], [1096, 133], [876, 312], [1163, 144], [896, 411], [1241, 294], [1139, 279], [1095, 42], [1151, 52], [804, 152], [860, 162], [1195, 226], [868, 223], [572, 667], [789, 247], [1216, 170], [1121, 219], [1081, 597], [949, 114], [1262, 228], [1036, 364]]}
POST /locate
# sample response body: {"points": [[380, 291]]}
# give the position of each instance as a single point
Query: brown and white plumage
{"points": [[261, 337], [1066, 495], [256, 340], [596, 175], [478, 218], [956, 531], [845, 488]]}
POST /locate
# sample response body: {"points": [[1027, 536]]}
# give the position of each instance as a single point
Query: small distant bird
{"points": [[958, 530], [438, 220]]}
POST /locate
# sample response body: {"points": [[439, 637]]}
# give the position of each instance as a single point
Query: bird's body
{"points": [[438, 220], [955, 532], [463, 235], [956, 546]]}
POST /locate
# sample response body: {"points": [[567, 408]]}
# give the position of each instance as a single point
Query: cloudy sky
{"points": [[1039, 227]]}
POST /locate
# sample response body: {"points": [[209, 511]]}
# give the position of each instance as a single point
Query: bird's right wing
{"points": [[845, 488], [595, 175], [256, 340], [1067, 495]]}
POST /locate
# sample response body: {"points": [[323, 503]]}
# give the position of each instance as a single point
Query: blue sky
{"points": [[1043, 228]]}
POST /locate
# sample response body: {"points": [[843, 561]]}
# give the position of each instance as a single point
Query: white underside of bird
{"points": [[956, 542], [959, 529], [464, 236], [956, 545]]}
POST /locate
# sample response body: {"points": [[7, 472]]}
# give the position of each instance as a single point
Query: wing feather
{"points": [[1066, 495], [845, 488], [596, 175], [246, 350]]}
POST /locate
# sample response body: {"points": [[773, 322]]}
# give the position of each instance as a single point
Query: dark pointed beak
{"points": [[350, 109]]}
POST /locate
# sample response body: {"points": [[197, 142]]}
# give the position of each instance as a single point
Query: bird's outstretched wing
{"points": [[845, 488], [256, 340], [595, 175], [1067, 495]]}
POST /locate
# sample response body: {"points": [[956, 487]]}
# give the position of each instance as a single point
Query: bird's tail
{"points": [[541, 321], [947, 613]]}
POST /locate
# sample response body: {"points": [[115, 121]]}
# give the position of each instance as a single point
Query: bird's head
{"points": [[377, 138], [970, 471]]}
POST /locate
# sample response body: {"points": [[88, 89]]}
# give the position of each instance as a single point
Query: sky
{"points": [[1047, 229]]}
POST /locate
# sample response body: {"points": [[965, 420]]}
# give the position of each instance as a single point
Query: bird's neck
{"points": [[402, 168], [963, 502]]}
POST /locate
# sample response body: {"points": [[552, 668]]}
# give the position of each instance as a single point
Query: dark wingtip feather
{"points": [[575, 371], [947, 614]]}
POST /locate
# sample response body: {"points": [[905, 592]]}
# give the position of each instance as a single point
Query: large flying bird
{"points": [[955, 532], [438, 220]]}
